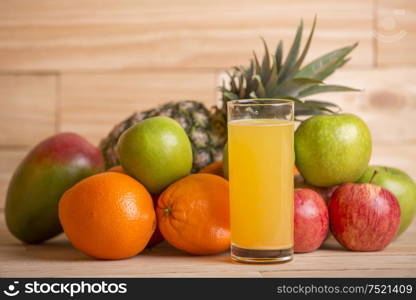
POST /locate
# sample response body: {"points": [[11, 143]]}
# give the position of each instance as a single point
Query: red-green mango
{"points": [[52, 167]]}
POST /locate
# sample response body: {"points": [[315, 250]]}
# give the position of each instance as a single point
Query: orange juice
{"points": [[261, 158]]}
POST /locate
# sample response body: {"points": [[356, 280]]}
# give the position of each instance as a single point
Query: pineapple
{"points": [[273, 78], [207, 141]]}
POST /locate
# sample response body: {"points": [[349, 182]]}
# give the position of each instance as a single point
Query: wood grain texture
{"points": [[387, 102], [396, 32], [57, 258], [27, 111], [91, 104], [9, 160], [358, 273], [396, 155], [63, 35]]}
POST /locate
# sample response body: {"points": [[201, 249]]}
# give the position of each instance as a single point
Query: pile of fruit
{"points": [[365, 207], [161, 175]]}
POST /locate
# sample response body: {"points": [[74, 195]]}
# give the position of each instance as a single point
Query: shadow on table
{"points": [[56, 249], [331, 244]]}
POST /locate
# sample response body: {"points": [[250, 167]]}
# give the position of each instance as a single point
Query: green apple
{"points": [[156, 152], [400, 184], [332, 149]]}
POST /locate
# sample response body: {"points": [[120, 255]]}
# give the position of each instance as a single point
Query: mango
{"points": [[50, 168]]}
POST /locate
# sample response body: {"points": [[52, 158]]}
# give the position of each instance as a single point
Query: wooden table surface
{"points": [[57, 258]]}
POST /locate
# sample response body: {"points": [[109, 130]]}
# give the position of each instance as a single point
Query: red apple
{"points": [[157, 236], [311, 220], [325, 192], [364, 217]]}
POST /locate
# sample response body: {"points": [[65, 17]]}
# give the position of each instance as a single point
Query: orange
{"points": [[157, 236], [193, 214], [213, 168], [108, 216]]}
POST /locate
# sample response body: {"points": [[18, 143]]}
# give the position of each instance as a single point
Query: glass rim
{"points": [[252, 102]]}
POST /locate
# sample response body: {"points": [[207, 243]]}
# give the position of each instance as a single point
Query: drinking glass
{"points": [[261, 164]]}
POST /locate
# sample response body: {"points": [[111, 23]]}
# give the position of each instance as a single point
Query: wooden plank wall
{"points": [[66, 66]]}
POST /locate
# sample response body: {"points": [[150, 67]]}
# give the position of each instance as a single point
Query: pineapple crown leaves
{"points": [[276, 77]]}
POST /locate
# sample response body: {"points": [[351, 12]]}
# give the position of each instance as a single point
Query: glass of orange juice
{"points": [[261, 162]]}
